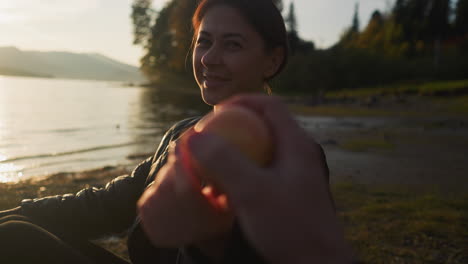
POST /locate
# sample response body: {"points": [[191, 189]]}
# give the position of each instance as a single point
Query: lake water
{"points": [[49, 125]]}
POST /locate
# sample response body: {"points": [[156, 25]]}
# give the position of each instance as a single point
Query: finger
{"points": [[224, 165], [187, 182], [177, 186], [184, 168], [288, 135], [165, 207]]}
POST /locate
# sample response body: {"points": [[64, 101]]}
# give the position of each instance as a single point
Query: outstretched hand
{"points": [[285, 209]]}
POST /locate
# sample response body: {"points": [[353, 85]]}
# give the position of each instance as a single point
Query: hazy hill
{"points": [[67, 65], [13, 72]]}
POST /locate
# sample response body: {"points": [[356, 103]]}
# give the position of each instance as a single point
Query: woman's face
{"points": [[229, 56]]}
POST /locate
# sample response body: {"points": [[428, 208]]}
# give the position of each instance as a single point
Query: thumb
{"points": [[225, 165]]}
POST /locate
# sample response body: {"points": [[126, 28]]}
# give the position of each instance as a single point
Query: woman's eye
{"points": [[233, 45], [203, 42]]}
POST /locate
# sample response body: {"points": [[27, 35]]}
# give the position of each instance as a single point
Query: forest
{"points": [[414, 41]]}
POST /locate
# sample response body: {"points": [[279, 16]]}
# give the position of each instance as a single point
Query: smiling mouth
{"points": [[214, 80]]}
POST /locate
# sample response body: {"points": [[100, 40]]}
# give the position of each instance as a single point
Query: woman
{"points": [[239, 45]]}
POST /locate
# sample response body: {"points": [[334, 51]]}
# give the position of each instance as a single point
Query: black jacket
{"points": [[94, 213]]}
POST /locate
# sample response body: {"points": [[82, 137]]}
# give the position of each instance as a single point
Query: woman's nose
{"points": [[212, 57]]}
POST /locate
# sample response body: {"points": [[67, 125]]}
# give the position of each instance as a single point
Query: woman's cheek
{"points": [[197, 67]]}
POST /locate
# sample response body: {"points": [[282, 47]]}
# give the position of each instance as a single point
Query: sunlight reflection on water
{"points": [[10, 172], [50, 125]]}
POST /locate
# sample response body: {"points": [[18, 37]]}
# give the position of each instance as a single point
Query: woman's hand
{"points": [[173, 210], [285, 210]]}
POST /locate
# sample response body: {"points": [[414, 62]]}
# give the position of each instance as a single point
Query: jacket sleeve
{"points": [[91, 212], [13, 211]]}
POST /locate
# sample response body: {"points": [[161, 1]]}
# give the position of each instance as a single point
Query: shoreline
{"points": [[368, 150]]}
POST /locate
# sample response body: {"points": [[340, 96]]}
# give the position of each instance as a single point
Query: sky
{"points": [[104, 26]]}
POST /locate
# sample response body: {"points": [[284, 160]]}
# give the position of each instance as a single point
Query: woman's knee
{"points": [[15, 230], [9, 218], [25, 242]]}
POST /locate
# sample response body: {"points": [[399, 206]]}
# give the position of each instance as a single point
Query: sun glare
{"points": [[10, 173], [4, 18], [9, 15]]}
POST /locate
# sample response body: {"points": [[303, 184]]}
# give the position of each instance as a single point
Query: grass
{"points": [[398, 224], [341, 110], [424, 89], [458, 104], [449, 98], [384, 224]]}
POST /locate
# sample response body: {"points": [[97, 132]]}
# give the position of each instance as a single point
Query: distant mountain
{"points": [[67, 65], [12, 72]]}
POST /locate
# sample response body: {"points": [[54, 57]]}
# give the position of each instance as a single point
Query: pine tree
{"points": [[355, 26], [291, 23], [461, 19], [141, 18], [415, 20], [399, 11], [352, 33], [437, 25]]}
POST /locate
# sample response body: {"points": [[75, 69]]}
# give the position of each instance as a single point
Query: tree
{"points": [[352, 32], [355, 25], [413, 24], [437, 26], [410, 14], [180, 23], [141, 18], [291, 23], [166, 36], [461, 19], [159, 47], [399, 11], [279, 4], [438, 20], [371, 37]]}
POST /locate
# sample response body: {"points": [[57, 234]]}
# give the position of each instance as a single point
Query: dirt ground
{"points": [[431, 152]]}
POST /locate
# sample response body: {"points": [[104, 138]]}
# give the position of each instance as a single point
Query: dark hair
{"points": [[263, 15]]}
